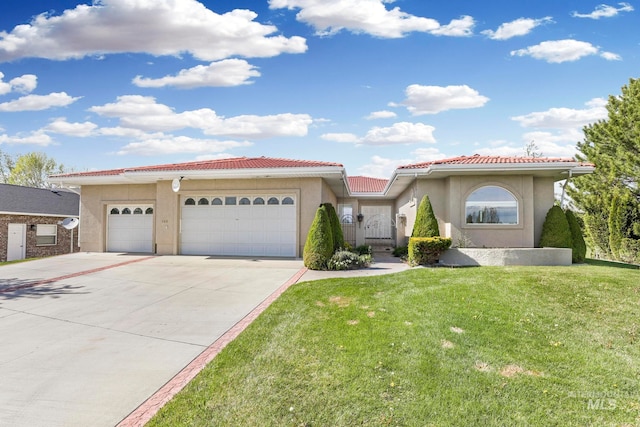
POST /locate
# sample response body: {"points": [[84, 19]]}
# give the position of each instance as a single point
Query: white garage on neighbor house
{"points": [[265, 206]]}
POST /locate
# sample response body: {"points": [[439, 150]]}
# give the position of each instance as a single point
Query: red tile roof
{"points": [[477, 159], [221, 164], [365, 184]]}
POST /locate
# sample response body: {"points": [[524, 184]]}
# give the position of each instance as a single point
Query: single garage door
{"points": [[241, 225], [130, 228]]}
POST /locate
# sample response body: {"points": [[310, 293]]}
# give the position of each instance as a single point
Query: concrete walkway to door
{"points": [[88, 337]]}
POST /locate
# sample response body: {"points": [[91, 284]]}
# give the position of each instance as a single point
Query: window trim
{"points": [[39, 233], [488, 225]]}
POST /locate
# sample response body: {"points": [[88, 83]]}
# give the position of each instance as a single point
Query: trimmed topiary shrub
{"points": [[336, 229], [579, 247], [555, 230], [319, 245], [427, 250], [426, 224]]}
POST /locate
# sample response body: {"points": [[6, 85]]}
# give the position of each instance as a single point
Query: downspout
{"points": [[564, 190]]}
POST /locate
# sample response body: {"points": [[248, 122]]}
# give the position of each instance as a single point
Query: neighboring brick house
{"points": [[30, 222]]}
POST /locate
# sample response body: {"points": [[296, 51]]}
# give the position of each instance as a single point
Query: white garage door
{"points": [[130, 228], [257, 225]]}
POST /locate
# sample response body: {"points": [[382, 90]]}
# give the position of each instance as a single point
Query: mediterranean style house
{"points": [[31, 222], [265, 206]]}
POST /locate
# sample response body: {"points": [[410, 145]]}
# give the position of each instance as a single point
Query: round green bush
{"points": [[555, 230]]}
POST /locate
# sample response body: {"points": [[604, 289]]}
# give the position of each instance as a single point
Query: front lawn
{"points": [[432, 347]]}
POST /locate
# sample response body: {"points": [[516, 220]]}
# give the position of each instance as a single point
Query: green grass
{"points": [[16, 261], [553, 346]]}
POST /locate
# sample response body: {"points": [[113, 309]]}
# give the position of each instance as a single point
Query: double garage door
{"points": [[240, 225]]}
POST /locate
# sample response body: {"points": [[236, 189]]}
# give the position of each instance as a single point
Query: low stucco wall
{"points": [[506, 256]]}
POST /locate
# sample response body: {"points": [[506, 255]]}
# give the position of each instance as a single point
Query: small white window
{"points": [[345, 211], [491, 205], [46, 234], [287, 201]]}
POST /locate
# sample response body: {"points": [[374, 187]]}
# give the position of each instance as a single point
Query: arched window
{"points": [[244, 201], [137, 211], [189, 202], [115, 211], [491, 205], [126, 211], [258, 201], [217, 201], [203, 201], [149, 211], [287, 201], [273, 201]]}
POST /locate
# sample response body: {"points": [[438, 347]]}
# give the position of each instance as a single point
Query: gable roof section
{"points": [[477, 159], [232, 168], [365, 184], [236, 163], [16, 199]]}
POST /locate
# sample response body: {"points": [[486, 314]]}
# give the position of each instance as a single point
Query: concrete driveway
{"points": [[87, 337]]}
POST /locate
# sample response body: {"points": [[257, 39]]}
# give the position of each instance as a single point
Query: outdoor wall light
{"points": [[360, 217]]}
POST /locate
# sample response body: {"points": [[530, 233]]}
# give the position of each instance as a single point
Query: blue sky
{"points": [[371, 84]]}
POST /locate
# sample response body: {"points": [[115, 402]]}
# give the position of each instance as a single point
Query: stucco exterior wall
{"points": [[93, 209], [448, 196], [310, 192]]}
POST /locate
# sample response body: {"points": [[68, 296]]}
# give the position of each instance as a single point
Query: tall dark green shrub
{"points": [[426, 224], [579, 248], [336, 229], [555, 230], [615, 226], [319, 245]]}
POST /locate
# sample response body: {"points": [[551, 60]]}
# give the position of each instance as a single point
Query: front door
{"points": [[378, 225], [16, 242]]}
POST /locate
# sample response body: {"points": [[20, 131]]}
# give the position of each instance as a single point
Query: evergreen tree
{"points": [[613, 145], [336, 228], [426, 224], [319, 245], [555, 230], [579, 247]]}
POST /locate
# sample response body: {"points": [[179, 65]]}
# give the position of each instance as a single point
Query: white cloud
{"points": [[157, 27], [218, 156], [557, 51], [604, 11], [398, 133], [610, 56], [23, 84], [549, 145], [144, 113], [179, 145], [519, 27], [372, 17], [381, 115], [341, 137], [427, 154], [62, 126], [565, 118], [38, 102], [228, 72], [435, 99], [380, 167], [34, 138]]}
